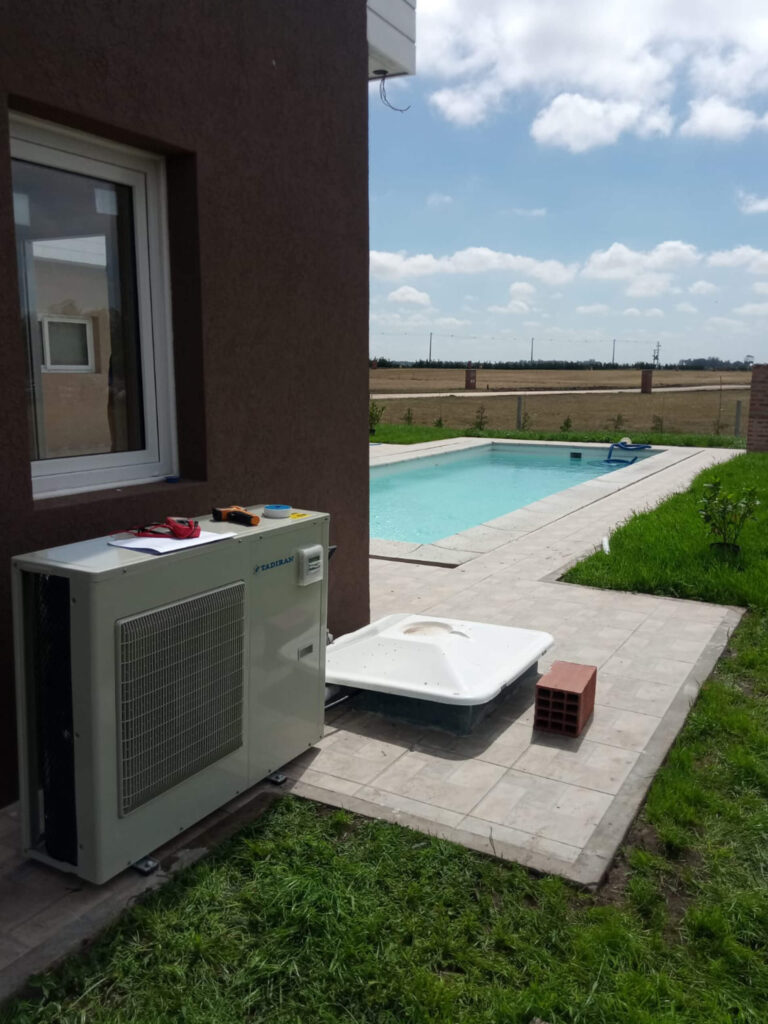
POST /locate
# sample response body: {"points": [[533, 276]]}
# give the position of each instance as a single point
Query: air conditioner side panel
{"points": [[287, 643]]}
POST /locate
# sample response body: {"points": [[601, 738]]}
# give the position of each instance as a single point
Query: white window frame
{"points": [[66, 149], [48, 367]]}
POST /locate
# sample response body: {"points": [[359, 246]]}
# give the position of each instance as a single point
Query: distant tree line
{"points": [[703, 363]]}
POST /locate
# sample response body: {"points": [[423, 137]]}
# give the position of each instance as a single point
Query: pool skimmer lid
{"points": [[433, 671]]}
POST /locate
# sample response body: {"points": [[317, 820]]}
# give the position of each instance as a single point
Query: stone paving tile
{"points": [[454, 785], [10, 950], [658, 670], [322, 780], [628, 694], [496, 740], [565, 813], [349, 756], [619, 728], [505, 839], [407, 805], [580, 762]]}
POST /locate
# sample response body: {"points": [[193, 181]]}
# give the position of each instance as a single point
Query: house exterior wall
{"points": [[261, 111]]}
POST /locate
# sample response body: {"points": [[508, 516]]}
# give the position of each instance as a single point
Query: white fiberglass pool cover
{"points": [[449, 661], [426, 499]]}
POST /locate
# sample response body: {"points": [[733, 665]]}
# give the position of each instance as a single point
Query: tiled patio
{"points": [[554, 804]]}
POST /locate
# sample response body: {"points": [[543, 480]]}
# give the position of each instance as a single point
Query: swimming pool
{"points": [[423, 500]]}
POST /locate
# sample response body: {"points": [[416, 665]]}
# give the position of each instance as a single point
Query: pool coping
{"points": [[467, 545]]}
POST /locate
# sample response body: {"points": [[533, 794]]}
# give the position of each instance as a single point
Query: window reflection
{"points": [[79, 312]]}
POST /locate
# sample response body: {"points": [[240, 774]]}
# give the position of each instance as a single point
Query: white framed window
{"points": [[92, 253], [67, 344]]}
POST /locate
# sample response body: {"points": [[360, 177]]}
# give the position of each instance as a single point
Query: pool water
{"points": [[424, 500]]}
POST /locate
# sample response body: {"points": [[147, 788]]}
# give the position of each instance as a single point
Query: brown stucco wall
{"points": [[261, 110]]}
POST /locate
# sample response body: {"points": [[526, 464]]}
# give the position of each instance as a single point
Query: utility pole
{"points": [[613, 357], [656, 358], [531, 351], [430, 348]]}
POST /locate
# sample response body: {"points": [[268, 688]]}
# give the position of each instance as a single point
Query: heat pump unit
{"points": [[152, 689]]}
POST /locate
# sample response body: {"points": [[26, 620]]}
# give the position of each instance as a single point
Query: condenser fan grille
{"points": [[181, 691]]}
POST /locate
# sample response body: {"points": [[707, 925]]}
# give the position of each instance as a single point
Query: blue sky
{"points": [[574, 184]]}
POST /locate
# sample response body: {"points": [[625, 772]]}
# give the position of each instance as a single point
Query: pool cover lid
{"points": [[449, 661]]}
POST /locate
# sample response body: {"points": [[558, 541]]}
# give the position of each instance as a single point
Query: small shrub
{"points": [[525, 421], [566, 425], [725, 514], [481, 418], [617, 422], [408, 416], [375, 412], [658, 424], [438, 422]]}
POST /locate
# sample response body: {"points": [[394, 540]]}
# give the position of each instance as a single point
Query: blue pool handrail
{"points": [[624, 446]]}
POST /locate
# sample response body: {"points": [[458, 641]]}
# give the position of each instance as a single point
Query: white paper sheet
{"points": [[164, 545]]}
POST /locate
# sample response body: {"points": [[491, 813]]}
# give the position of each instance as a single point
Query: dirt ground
{"points": [[706, 412], [403, 381]]}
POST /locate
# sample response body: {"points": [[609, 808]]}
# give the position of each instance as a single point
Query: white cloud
{"points": [[714, 118], [513, 306], [437, 199], [579, 123], [703, 288], [409, 295], [600, 70], [686, 307], [596, 307], [521, 288], [632, 311], [647, 273], [654, 311], [761, 287], [752, 309], [749, 203], [475, 260], [535, 211], [724, 323], [754, 261]]}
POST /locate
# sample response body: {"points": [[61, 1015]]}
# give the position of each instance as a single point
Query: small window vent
{"points": [[180, 699]]}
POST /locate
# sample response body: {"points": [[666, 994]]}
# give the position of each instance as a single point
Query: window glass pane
{"points": [[76, 260], [67, 343]]}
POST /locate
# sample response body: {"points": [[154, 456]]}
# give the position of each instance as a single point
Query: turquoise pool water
{"points": [[423, 500]]}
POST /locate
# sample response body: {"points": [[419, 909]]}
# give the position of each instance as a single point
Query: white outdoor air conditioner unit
{"points": [[152, 689]]}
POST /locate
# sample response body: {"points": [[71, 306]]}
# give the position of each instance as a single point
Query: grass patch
{"points": [[402, 433], [666, 550]]}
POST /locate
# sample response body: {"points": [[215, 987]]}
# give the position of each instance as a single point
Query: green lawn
{"points": [[666, 551], [403, 433], [312, 915]]}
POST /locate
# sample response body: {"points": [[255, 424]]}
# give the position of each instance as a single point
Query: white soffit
{"points": [[391, 37]]}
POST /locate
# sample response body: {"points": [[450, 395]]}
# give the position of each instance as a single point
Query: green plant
{"points": [[525, 421], [725, 513], [481, 418], [566, 425], [617, 422], [408, 416], [658, 424], [438, 422], [375, 412]]}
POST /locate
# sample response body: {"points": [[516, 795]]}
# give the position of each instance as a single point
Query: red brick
{"points": [[565, 698]]}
